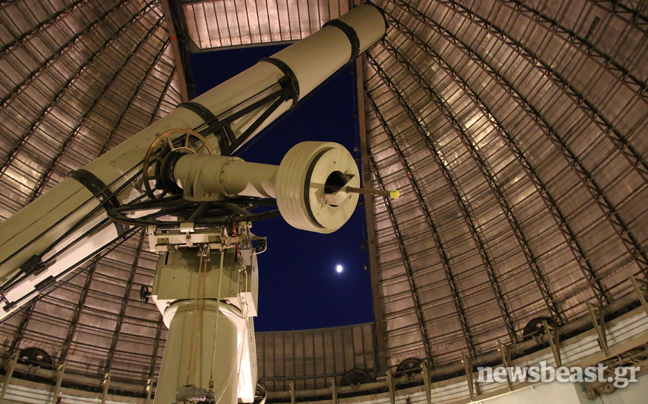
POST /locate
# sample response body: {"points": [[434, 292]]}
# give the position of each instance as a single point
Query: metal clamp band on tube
{"points": [[350, 33], [211, 121], [100, 191], [289, 74]]}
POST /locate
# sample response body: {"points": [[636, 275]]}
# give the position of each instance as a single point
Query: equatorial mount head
{"points": [[311, 185], [315, 188]]}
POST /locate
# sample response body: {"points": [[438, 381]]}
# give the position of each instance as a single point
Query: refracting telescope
{"points": [[177, 179]]}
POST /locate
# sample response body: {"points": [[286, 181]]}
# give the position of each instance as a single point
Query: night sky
{"points": [[299, 285]]}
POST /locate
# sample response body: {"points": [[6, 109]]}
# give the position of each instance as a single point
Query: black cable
{"points": [[87, 216], [216, 212], [20, 275]]}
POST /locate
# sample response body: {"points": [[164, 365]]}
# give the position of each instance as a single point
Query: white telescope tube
{"points": [[34, 231], [206, 178]]}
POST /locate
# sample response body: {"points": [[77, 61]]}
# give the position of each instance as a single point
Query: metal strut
{"points": [[479, 243]]}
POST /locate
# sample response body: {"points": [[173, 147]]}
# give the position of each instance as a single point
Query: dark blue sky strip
{"points": [[299, 286]]}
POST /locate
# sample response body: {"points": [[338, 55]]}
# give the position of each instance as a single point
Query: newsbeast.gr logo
{"points": [[620, 377]]}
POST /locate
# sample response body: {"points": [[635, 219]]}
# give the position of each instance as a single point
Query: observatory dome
{"points": [[515, 131]]}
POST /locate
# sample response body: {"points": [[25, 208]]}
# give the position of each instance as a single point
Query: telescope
{"points": [[178, 179]]}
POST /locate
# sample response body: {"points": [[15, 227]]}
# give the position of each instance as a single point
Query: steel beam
{"points": [[124, 303], [409, 270], [554, 342], [640, 293], [78, 309], [149, 390], [160, 100], [596, 313], [486, 260], [634, 157], [469, 375], [391, 384], [637, 85], [22, 327], [19, 39], [630, 16], [30, 308], [34, 74], [63, 90], [13, 359], [424, 206], [333, 388], [492, 183], [370, 214], [156, 347], [60, 372], [505, 353], [177, 27], [105, 386], [609, 211], [598, 290], [134, 96], [49, 170], [427, 385]]}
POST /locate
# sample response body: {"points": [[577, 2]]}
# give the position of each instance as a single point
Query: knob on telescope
{"points": [[145, 294]]}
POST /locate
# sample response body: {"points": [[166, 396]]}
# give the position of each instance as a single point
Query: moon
{"points": [[339, 269]]}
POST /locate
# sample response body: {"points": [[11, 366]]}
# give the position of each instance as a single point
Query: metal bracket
{"points": [[505, 352], [426, 382], [187, 237], [640, 293], [149, 390], [392, 387], [34, 265], [469, 375], [204, 251], [554, 342], [334, 394], [60, 371], [13, 359], [9, 305], [290, 79], [105, 385], [596, 312]]}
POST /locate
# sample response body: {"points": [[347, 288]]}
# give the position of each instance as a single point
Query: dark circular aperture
{"points": [[334, 182]]}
